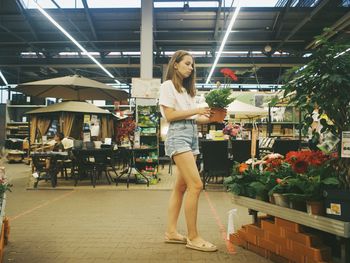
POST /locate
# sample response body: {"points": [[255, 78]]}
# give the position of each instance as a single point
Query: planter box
{"points": [[336, 227]]}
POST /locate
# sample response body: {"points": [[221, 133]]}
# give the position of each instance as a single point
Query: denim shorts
{"points": [[182, 137]]}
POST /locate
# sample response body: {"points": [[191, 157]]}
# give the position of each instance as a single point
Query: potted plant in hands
{"points": [[218, 99]]}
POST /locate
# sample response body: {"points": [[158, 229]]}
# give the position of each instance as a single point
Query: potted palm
{"points": [[218, 99]]}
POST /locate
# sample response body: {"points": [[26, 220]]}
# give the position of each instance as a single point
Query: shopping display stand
{"points": [[336, 227], [4, 227]]}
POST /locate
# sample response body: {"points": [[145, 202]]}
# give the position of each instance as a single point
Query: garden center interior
{"points": [[84, 176]]}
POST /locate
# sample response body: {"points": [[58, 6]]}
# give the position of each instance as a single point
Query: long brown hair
{"points": [[173, 75]]}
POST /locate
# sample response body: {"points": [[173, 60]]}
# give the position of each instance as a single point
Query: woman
{"points": [[177, 105]]}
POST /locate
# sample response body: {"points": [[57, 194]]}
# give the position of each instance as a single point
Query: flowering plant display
{"points": [[250, 181], [232, 129], [301, 175], [125, 129], [4, 184]]}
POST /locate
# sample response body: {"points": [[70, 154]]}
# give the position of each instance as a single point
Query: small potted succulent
{"points": [[218, 99]]}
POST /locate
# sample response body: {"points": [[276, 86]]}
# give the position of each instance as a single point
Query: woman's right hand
{"points": [[204, 111]]}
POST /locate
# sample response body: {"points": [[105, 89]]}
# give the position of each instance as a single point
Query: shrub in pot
{"points": [[218, 99], [325, 82]]}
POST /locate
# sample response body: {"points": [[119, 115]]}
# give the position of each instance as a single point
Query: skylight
{"points": [[137, 3]]}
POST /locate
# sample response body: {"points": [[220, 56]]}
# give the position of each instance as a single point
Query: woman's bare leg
{"points": [[186, 164], [175, 203]]}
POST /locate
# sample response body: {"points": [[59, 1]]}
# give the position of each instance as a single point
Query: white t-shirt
{"points": [[169, 97]]}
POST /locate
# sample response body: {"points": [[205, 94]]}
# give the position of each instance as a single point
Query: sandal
{"points": [[205, 246], [180, 240]]}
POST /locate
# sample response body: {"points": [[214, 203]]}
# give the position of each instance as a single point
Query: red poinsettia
{"points": [[229, 73]]}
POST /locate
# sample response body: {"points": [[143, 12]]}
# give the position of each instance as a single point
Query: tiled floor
{"points": [[110, 224]]}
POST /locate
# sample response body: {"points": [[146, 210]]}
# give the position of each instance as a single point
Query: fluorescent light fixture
{"points": [[228, 30], [3, 78], [306, 55], [68, 53], [113, 53], [132, 53], [84, 51]]}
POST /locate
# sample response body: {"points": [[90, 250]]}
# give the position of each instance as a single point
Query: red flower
{"points": [[229, 73], [242, 167], [317, 158], [279, 180], [300, 166], [292, 156]]}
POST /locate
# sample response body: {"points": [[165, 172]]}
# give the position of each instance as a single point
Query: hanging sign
{"points": [[145, 88]]}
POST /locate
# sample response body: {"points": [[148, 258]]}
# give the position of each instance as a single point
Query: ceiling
{"points": [[286, 28]]}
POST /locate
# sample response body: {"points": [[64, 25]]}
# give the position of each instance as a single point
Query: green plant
{"points": [[249, 181], [325, 82], [306, 175], [219, 98], [4, 186]]}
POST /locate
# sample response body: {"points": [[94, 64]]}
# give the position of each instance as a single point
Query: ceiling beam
{"points": [[339, 25], [303, 22], [89, 19], [281, 17], [217, 20], [87, 40], [23, 41], [26, 19], [134, 62]]}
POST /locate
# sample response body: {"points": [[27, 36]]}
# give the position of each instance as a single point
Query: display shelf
{"points": [[336, 227], [17, 130], [148, 125]]}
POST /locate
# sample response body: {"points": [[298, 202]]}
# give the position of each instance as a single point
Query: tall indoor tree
{"points": [[325, 82]]}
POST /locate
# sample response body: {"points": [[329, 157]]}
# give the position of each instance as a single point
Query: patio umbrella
{"points": [[72, 88], [243, 110]]}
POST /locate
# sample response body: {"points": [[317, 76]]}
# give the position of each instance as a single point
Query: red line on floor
{"points": [[229, 246], [40, 206]]}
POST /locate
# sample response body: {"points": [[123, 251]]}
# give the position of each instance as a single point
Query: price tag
{"points": [[345, 144]]}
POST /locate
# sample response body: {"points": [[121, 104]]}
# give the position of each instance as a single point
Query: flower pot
{"points": [[297, 205], [315, 207], [280, 200], [217, 114]]}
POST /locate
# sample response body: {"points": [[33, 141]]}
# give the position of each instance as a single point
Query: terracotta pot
{"points": [[315, 207], [281, 200], [297, 205], [218, 114]]}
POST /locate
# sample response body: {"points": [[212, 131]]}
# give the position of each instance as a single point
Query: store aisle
{"points": [[103, 225]]}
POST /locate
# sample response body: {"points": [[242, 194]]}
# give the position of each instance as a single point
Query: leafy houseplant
{"points": [[250, 181], [4, 184], [218, 99], [325, 82], [306, 175]]}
